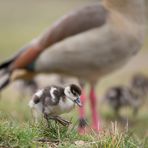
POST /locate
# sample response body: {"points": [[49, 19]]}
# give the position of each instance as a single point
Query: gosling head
{"points": [[73, 92]]}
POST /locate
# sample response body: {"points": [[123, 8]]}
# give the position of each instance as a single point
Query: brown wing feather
{"points": [[74, 23], [79, 21]]}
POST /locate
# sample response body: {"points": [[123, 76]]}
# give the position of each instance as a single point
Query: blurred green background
{"points": [[22, 20]]}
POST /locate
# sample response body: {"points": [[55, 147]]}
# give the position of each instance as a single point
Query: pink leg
{"points": [[93, 103], [82, 121], [82, 110]]}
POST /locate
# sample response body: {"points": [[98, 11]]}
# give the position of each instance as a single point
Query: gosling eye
{"points": [[74, 94]]}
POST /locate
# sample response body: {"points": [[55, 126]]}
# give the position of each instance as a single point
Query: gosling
{"points": [[53, 101]]}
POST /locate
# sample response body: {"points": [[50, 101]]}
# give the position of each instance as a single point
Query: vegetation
{"points": [[17, 130], [27, 135]]}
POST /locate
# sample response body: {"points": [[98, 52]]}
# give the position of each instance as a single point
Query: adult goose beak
{"points": [[78, 102]]}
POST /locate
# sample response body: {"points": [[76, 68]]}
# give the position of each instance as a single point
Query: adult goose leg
{"points": [[93, 105]]}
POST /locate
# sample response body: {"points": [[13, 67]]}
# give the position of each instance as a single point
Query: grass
{"points": [[15, 135], [12, 135], [18, 131]]}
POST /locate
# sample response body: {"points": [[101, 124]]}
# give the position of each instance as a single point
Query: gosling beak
{"points": [[78, 102]]}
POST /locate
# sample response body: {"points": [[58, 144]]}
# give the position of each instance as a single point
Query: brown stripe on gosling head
{"points": [[75, 89], [36, 99]]}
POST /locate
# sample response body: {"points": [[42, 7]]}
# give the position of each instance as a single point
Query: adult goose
{"points": [[88, 43]]}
